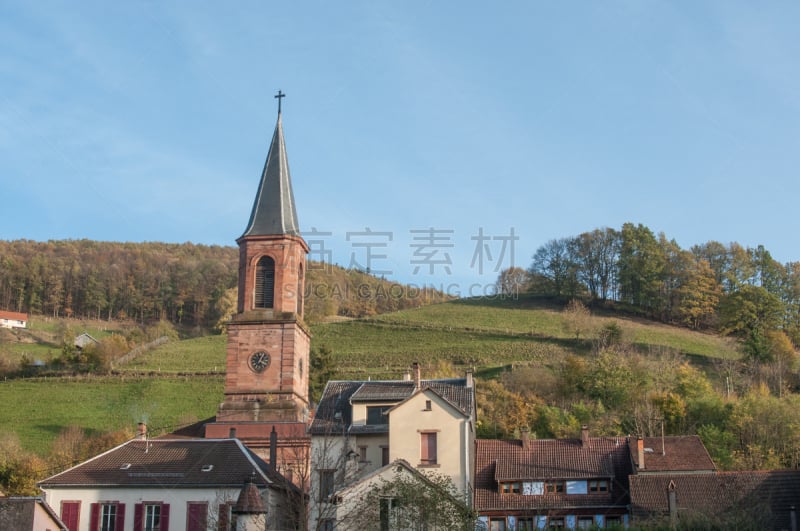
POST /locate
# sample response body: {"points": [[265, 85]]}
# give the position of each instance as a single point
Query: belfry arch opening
{"points": [[265, 283], [300, 288]]}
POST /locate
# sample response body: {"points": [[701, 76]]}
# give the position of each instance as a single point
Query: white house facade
{"points": [[168, 484]]}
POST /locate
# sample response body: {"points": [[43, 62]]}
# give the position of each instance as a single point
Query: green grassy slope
{"points": [[480, 334], [39, 409]]}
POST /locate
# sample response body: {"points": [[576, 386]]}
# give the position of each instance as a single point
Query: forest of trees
{"points": [[726, 288], [185, 284]]}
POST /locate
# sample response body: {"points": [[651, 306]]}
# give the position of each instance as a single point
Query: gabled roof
{"points": [[763, 497], [432, 390], [550, 459], [273, 210], [680, 453], [84, 339], [169, 463], [398, 465], [334, 412], [19, 512]]}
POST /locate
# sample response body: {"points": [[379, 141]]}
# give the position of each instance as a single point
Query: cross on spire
{"points": [[280, 95]]}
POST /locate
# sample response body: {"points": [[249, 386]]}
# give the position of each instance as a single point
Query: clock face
{"points": [[259, 361]]}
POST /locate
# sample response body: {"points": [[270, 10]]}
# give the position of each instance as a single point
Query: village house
{"points": [[759, 499], [13, 319], [28, 513], [575, 483], [363, 429], [530, 484], [162, 484]]}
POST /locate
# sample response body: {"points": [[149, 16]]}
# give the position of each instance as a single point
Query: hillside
{"points": [[186, 284], [182, 380]]}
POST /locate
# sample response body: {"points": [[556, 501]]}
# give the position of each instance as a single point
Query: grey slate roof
{"points": [[273, 210], [166, 463], [334, 412]]}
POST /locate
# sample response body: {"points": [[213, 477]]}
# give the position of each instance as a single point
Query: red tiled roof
{"points": [[169, 463], [249, 501], [685, 453], [15, 316], [565, 459], [761, 497]]}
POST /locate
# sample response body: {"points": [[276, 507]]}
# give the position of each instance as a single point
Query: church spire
{"points": [[273, 210]]}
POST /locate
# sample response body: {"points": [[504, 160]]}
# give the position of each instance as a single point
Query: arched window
{"points": [[265, 282], [300, 290]]}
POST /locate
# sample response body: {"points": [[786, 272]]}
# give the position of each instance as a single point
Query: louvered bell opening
{"points": [[265, 283]]}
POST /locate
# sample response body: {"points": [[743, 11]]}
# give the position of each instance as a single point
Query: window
{"points": [[362, 454], [497, 524], [107, 516], [265, 282], [70, 514], [325, 484], [428, 405], [151, 516], [614, 522], [428, 448], [552, 487], [388, 513], [300, 296], [377, 415], [196, 516], [585, 522], [513, 487], [525, 524], [555, 522], [384, 455], [327, 525], [598, 485]]}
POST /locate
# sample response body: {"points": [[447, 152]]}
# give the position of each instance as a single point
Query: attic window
{"points": [[125, 466], [428, 405], [207, 468]]}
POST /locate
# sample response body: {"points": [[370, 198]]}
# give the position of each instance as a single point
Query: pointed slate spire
{"points": [[273, 210]]}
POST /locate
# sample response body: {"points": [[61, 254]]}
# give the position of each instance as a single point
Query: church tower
{"points": [[266, 382]]}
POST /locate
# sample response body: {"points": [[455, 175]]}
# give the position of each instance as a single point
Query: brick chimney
{"points": [[470, 380], [415, 369], [141, 431], [640, 452], [524, 435], [585, 436], [273, 449]]}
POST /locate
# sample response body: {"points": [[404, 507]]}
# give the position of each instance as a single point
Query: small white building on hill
{"points": [[13, 319]]}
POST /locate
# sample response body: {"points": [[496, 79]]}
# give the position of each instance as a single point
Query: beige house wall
{"points": [[454, 437]]}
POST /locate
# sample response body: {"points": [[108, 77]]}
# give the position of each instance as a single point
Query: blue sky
{"points": [[150, 121]]}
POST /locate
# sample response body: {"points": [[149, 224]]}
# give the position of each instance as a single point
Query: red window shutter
{"points": [[70, 514], [428, 453], [94, 517], [138, 516], [164, 517], [197, 517], [120, 524], [222, 517]]}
